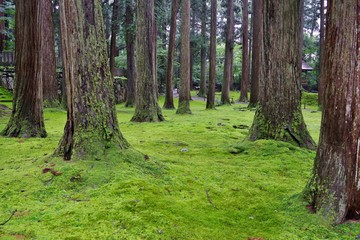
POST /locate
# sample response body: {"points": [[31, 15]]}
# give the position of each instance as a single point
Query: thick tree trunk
{"points": [[91, 126], [147, 108], [48, 54], [322, 46], [210, 101], [245, 55], [184, 84], [335, 185], [202, 90], [279, 115], [130, 55], [114, 30], [229, 54], [257, 49], [27, 115], [169, 96]]}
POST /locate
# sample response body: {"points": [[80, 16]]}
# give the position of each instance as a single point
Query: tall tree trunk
{"points": [[27, 115], [48, 54], [147, 108], [202, 90], [192, 48], [210, 101], [130, 54], [279, 113], [169, 96], [334, 187], [322, 46], [184, 84], [256, 52], [114, 29], [2, 28], [229, 53], [92, 125], [245, 55]]}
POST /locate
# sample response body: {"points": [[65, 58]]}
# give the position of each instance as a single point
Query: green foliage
{"points": [[311, 52], [196, 179], [309, 99], [8, 19]]}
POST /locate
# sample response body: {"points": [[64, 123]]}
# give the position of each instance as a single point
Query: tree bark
{"points": [[114, 30], [245, 55], [27, 115], [130, 55], [92, 125], [335, 186], [169, 96], [184, 84], [210, 101], [229, 54], [2, 29], [147, 108], [48, 54], [257, 50], [279, 115], [202, 90], [322, 46]]}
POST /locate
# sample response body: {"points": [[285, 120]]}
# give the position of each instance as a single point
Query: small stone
{"points": [[184, 150]]}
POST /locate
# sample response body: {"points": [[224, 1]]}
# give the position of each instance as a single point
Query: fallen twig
{"points": [[12, 214], [209, 199]]}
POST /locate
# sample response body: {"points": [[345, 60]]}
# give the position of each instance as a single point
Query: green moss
{"points": [[163, 192]]}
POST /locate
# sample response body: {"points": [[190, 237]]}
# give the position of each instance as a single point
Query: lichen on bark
{"points": [[92, 125]]}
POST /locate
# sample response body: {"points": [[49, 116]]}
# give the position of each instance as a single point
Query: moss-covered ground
{"points": [[198, 179]]}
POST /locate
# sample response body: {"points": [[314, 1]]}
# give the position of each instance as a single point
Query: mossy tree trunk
{"points": [[147, 108], [27, 115], [229, 53], [184, 84], [245, 55], [256, 52], [50, 95], [92, 125], [279, 115], [130, 54], [335, 186], [169, 96], [210, 101], [202, 90]]}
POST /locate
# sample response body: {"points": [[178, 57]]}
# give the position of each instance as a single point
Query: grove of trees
{"points": [[173, 50]]}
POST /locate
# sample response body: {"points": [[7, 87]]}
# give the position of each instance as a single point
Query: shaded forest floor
{"points": [[201, 181]]}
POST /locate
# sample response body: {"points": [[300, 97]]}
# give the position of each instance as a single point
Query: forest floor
{"points": [[202, 180]]}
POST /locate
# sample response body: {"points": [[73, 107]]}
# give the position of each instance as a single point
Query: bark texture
{"points": [[27, 115], [335, 186], [114, 30], [279, 115], [245, 55], [169, 96], [257, 50], [92, 125], [229, 54], [202, 90], [184, 84], [130, 55], [147, 108], [322, 46], [210, 101], [48, 54]]}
